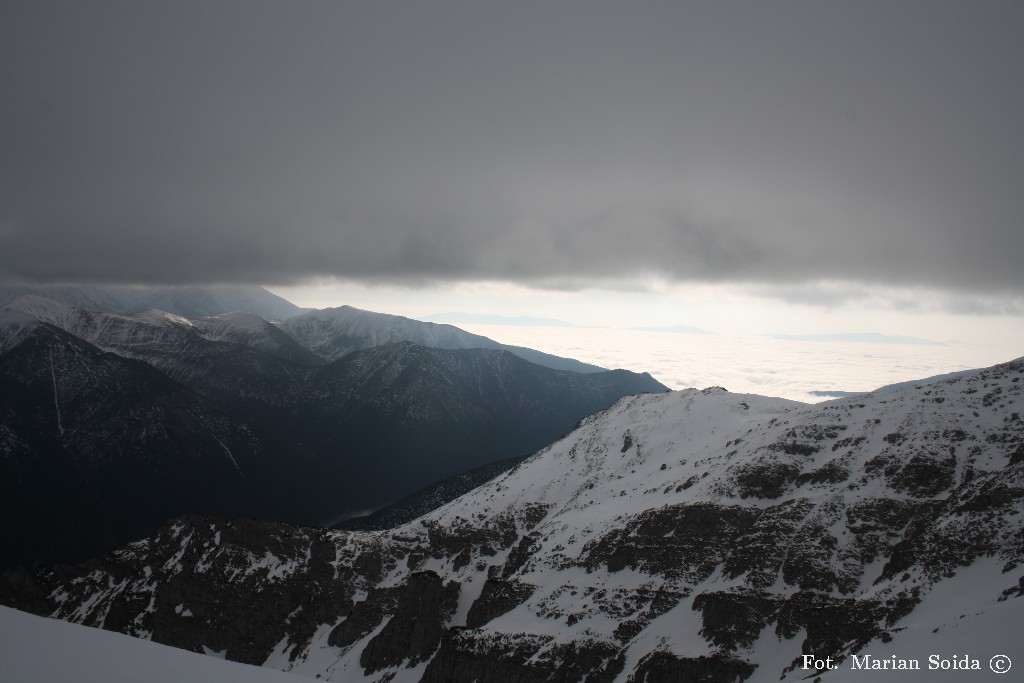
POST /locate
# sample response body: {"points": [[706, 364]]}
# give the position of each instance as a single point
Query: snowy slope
{"points": [[694, 534], [333, 332], [13, 327], [38, 650], [961, 618]]}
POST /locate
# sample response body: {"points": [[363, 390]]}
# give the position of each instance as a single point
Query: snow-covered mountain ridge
{"points": [[335, 332], [312, 338], [694, 535], [154, 334]]}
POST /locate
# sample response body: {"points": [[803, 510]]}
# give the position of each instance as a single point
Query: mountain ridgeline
{"points": [[334, 332], [115, 422], [683, 536], [178, 300]]}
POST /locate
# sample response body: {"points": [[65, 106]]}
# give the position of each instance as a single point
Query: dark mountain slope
{"points": [[97, 448], [249, 329], [427, 499]]}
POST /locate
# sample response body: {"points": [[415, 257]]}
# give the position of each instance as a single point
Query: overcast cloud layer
{"points": [[553, 143]]}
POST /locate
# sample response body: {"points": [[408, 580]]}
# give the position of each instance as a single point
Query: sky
{"points": [[784, 167]]}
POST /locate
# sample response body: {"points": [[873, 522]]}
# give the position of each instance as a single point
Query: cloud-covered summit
{"points": [[552, 144]]}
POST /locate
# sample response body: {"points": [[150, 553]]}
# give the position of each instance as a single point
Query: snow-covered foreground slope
{"points": [[38, 650], [695, 535]]}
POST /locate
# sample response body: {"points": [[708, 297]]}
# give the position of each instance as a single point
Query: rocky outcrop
{"points": [[665, 667], [413, 633], [497, 597], [686, 541], [466, 658], [365, 616], [733, 619]]}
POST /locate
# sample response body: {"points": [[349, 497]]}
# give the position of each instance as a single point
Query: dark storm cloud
{"points": [[558, 144]]}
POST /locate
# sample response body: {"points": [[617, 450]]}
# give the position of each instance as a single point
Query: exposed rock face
{"points": [[736, 618], [472, 658], [497, 597], [687, 540], [413, 633], [593, 562], [665, 667]]}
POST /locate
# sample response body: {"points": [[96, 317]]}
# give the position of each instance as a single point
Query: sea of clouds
{"points": [[749, 364]]}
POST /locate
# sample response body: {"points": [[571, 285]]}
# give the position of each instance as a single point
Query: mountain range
{"points": [[115, 422], [191, 301], [310, 338], [694, 535], [334, 332]]}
